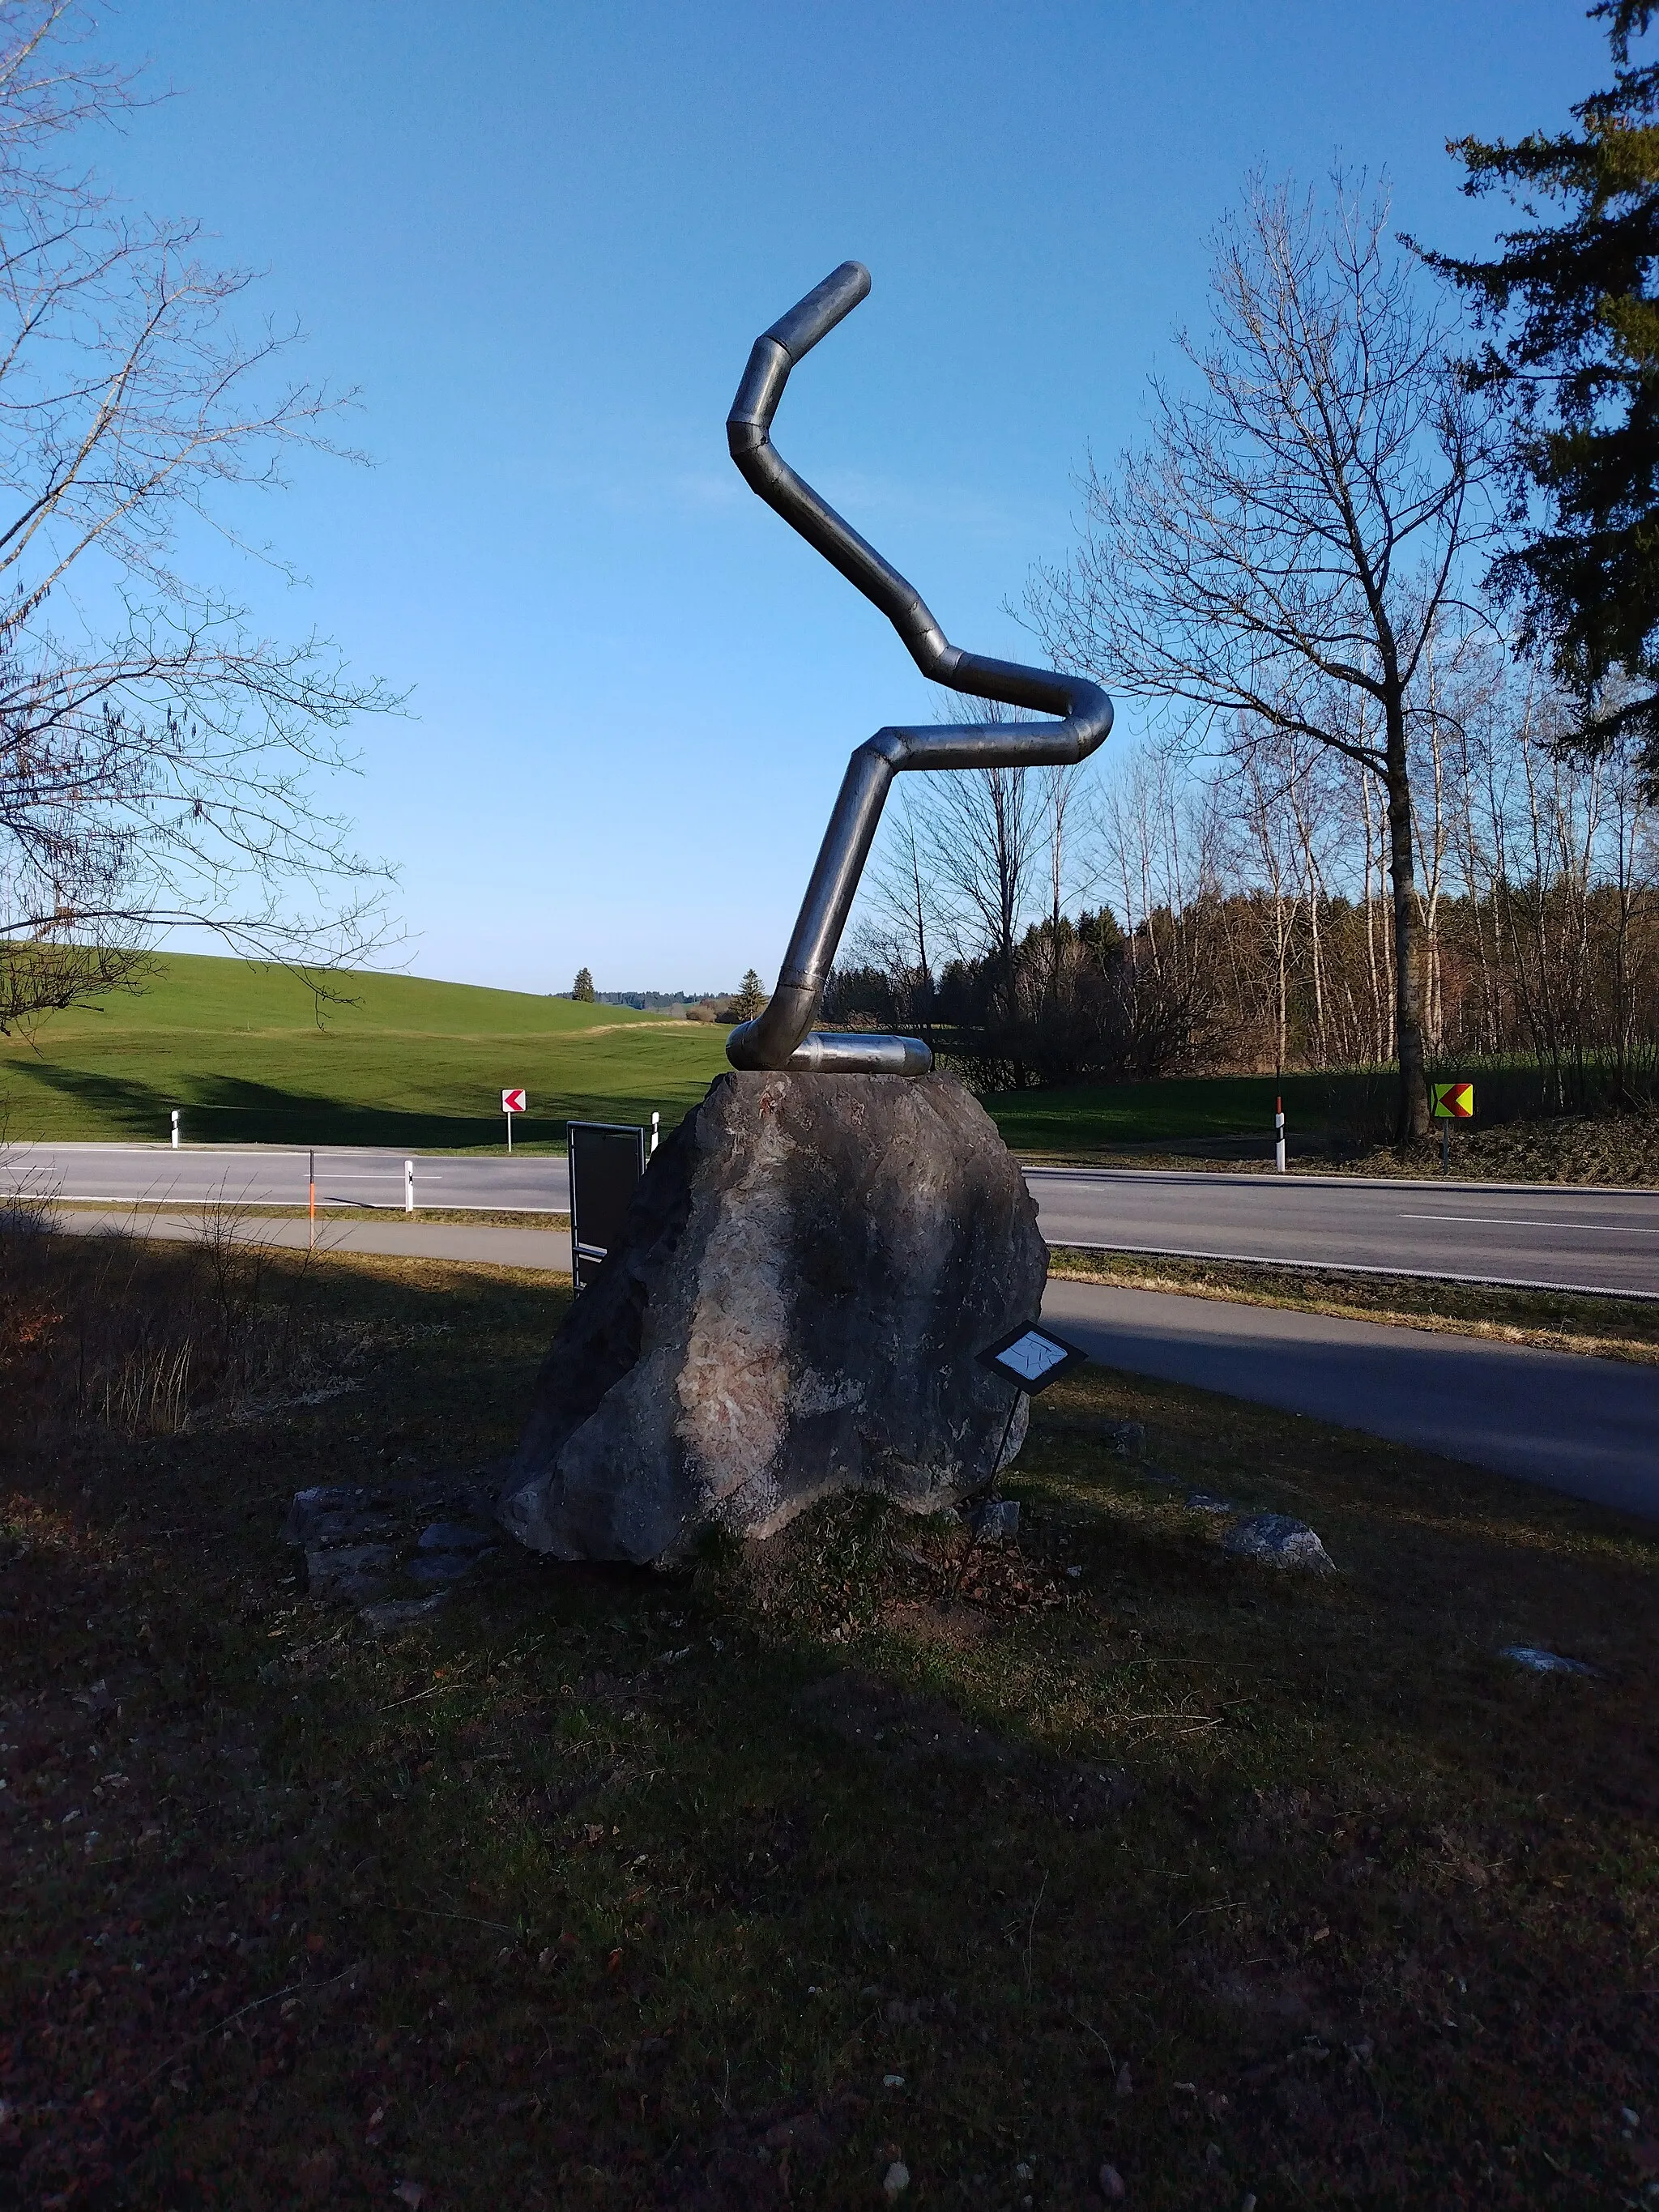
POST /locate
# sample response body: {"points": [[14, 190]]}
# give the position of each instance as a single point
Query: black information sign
{"points": [[607, 1159], [1031, 1356]]}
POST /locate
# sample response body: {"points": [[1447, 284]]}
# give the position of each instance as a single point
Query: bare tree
{"points": [[901, 925], [1266, 845], [1636, 869], [1158, 842], [1059, 791], [1291, 534], [156, 750], [982, 832]]}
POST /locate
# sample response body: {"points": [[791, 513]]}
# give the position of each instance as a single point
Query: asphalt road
{"points": [[265, 1175], [1589, 1427], [1530, 1235], [1533, 1235]]}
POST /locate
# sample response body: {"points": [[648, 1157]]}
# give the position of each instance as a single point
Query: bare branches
{"points": [[156, 752], [1292, 530]]}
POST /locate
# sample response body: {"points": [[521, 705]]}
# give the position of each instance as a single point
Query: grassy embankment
{"points": [[1556, 1321], [607, 1889], [410, 1063], [1335, 1123]]}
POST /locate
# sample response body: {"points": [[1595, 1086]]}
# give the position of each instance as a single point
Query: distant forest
{"points": [[652, 1002]]}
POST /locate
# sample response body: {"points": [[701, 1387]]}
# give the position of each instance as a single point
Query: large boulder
{"points": [[810, 1267]]}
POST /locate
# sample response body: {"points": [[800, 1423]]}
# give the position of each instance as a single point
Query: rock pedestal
{"points": [[810, 1265]]}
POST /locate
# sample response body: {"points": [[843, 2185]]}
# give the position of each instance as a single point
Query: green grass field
{"points": [[611, 1890], [1197, 1110], [239, 1051]]}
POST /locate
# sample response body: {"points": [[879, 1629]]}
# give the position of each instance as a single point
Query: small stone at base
{"points": [[399, 1612], [997, 1517], [443, 1566], [1280, 1541], [1540, 1662], [1111, 2184], [458, 1536]]}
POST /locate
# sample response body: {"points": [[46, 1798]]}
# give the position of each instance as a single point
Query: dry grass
{"points": [[1616, 1150], [114, 1332], [1606, 1328], [726, 1889]]}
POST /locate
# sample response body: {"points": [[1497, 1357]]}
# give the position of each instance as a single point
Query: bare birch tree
{"points": [[156, 750], [1263, 848], [1158, 842], [1291, 533], [900, 925]]}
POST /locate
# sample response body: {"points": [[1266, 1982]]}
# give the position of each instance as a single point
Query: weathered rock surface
{"points": [[1280, 1541], [810, 1267], [361, 1539]]}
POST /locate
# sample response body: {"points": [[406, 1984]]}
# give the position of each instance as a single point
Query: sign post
{"points": [[1030, 1356], [1453, 1102], [311, 1199], [1279, 1133], [513, 1102]]}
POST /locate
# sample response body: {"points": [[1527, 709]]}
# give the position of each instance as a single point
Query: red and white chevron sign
{"points": [[513, 1102]]}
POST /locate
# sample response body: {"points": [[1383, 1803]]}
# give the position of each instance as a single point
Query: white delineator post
{"points": [[409, 1178], [1278, 1134], [175, 1128], [656, 1122], [311, 1199]]}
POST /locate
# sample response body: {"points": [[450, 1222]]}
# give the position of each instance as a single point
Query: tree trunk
{"points": [[1412, 1119]]}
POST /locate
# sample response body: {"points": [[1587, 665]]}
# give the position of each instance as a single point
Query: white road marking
{"points": [[1516, 1221]]}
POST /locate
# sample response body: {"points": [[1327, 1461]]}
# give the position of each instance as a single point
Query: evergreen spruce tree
{"points": [[750, 998], [1580, 362], [582, 988]]}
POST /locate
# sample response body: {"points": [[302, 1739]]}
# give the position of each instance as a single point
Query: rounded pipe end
{"points": [[856, 1051], [816, 315]]}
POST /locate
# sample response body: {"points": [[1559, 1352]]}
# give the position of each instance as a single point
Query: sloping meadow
{"points": [[867, 1866]]}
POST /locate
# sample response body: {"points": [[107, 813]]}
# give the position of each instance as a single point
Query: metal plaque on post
{"points": [[1032, 1357], [607, 1159]]}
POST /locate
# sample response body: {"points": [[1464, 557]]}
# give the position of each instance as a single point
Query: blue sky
{"points": [[540, 237]]}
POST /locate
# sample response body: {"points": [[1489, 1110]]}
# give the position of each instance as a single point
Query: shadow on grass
{"points": [[625, 1907], [1205, 1117], [230, 1110]]}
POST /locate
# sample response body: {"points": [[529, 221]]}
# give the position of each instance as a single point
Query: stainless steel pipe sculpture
{"points": [[782, 1036]]}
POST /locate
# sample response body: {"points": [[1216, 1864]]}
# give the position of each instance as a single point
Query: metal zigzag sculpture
{"points": [[782, 1036]]}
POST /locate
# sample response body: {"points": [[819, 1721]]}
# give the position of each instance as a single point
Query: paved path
{"points": [[1587, 1426], [548, 1248], [1540, 1234]]}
